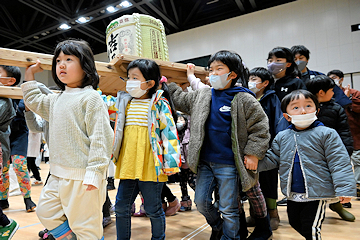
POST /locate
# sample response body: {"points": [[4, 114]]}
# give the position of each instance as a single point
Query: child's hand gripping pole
{"points": [[31, 70]]}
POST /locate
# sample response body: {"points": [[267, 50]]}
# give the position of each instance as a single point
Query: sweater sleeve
{"points": [[33, 124], [339, 165], [100, 136], [170, 140], [196, 83], [35, 100]]}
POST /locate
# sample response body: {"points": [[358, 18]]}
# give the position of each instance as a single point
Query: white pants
{"points": [[64, 199]]}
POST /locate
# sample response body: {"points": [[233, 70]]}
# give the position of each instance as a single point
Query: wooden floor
{"points": [[186, 225]]}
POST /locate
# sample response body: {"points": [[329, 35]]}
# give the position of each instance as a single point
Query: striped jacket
{"points": [[163, 135]]}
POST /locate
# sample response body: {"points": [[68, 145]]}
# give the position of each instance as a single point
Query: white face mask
{"points": [[253, 88], [180, 126], [303, 120], [133, 87], [337, 82], [219, 81]]}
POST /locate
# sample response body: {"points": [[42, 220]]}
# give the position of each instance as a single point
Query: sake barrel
{"points": [[138, 35]]}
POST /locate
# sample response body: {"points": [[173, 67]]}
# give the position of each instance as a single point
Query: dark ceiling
{"points": [[32, 25]]}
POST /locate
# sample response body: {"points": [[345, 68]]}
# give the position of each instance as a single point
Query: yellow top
{"points": [[136, 159]]}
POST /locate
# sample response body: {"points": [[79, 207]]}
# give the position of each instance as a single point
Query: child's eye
{"points": [[68, 59], [57, 60], [295, 108], [309, 105]]}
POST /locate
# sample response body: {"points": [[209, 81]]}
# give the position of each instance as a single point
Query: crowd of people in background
{"points": [[228, 137]]}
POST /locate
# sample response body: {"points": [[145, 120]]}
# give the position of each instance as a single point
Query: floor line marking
{"points": [[30, 225], [200, 231], [196, 230]]}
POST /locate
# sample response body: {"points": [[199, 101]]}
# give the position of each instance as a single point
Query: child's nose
{"points": [[303, 111]]}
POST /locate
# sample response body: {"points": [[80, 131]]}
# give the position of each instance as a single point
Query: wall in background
{"points": [[323, 26]]}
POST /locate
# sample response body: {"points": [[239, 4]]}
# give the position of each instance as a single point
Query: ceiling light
{"points": [[83, 19], [125, 4], [64, 26], [36, 37], [111, 9], [44, 33]]}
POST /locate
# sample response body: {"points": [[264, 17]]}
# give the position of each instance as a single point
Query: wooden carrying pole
{"points": [[110, 73]]}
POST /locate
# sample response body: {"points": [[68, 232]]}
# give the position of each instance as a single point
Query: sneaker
{"points": [[46, 235], [4, 204], [106, 221], [282, 202], [185, 205], [141, 212], [112, 209], [8, 231], [29, 205], [37, 183], [347, 205], [110, 185]]}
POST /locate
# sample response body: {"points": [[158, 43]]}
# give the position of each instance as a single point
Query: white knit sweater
{"points": [[79, 130]]}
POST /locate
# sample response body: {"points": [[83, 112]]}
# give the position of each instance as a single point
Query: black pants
{"points": [[269, 183], [106, 206], [186, 177], [33, 168], [3, 219], [166, 193], [307, 217]]}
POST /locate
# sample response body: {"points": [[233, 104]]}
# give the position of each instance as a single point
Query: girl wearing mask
{"points": [[146, 147], [285, 71]]}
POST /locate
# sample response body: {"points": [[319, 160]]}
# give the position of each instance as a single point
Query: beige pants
{"points": [[63, 199]]}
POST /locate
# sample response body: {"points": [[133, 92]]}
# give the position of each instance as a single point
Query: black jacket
{"points": [[272, 107], [334, 116], [286, 85]]}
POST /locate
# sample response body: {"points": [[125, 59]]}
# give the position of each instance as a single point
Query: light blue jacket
{"points": [[324, 161]]}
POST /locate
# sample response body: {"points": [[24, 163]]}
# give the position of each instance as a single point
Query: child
{"points": [[313, 164], [353, 114], [286, 74], [302, 57], [227, 125], [332, 115], [34, 145], [8, 227], [260, 82], [7, 113], [146, 146], [80, 143], [186, 175], [18, 144]]}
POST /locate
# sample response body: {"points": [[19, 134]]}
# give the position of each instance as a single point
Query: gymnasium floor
{"points": [[182, 226]]}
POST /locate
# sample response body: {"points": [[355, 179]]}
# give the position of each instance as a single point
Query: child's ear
{"points": [[288, 64], [287, 117], [321, 93], [151, 83], [233, 75], [266, 82], [10, 81]]}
